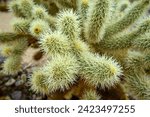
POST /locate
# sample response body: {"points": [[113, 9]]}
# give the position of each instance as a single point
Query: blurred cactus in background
{"points": [[96, 49], [3, 5]]}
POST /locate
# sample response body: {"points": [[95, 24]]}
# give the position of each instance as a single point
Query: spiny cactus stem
{"points": [[127, 20], [8, 36]]}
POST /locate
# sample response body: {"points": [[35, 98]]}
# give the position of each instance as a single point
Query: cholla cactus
{"points": [[3, 5], [89, 47]]}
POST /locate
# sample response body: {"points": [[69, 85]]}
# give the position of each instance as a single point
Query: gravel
{"points": [[17, 87], [10, 82]]}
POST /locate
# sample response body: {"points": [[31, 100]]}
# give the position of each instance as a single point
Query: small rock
{"points": [[27, 84], [24, 96], [16, 95], [2, 59], [6, 79], [19, 83], [10, 82]]}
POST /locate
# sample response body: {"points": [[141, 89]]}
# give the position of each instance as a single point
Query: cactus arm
{"points": [[96, 17], [127, 20]]}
